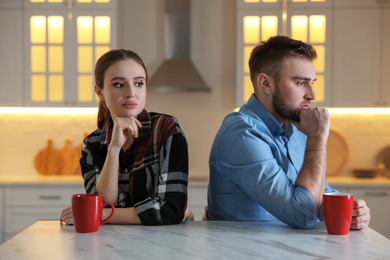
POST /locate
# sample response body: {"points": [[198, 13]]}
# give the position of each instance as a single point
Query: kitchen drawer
{"points": [[17, 219], [42, 196]]}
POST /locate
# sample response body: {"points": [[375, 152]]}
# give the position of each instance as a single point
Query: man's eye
{"points": [[118, 85]]}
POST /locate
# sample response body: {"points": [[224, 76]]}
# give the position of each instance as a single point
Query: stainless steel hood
{"points": [[177, 72]]}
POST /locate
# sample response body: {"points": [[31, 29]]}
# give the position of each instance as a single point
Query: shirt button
{"points": [[126, 170]]}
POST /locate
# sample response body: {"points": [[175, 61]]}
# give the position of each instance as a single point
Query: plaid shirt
{"points": [[152, 174]]}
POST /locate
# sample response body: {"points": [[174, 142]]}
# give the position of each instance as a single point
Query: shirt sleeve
{"points": [[248, 158], [169, 202]]}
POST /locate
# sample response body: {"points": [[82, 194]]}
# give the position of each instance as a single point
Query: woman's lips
{"points": [[130, 104]]}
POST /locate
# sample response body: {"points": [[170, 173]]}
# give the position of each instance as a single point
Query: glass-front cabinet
{"points": [[64, 38], [305, 20]]}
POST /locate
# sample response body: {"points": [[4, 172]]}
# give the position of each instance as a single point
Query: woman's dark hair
{"points": [[103, 63]]}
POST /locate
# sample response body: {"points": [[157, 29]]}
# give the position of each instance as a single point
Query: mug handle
{"points": [[112, 212]]}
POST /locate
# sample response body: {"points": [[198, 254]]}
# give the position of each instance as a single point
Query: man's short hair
{"points": [[270, 55]]}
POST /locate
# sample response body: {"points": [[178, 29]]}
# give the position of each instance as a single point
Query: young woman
{"points": [[137, 160]]}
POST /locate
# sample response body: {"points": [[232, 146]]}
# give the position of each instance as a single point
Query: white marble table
{"points": [[193, 240]]}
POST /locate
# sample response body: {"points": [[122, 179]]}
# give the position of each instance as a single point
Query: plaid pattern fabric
{"points": [[152, 174]]}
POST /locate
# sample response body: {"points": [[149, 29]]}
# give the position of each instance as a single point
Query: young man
{"points": [[268, 161]]}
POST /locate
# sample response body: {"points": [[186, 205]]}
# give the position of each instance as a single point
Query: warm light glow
{"points": [[56, 29], [37, 29], [317, 27], [85, 88], [38, 88], [51, 111], [38, 58], [248, 88], [319, 63], [102, 30], [299, 24], [251, 29], [56, 59], [269, 27], [100, 50], [56, 88], [85, 59], [360, 110], [84, 29], [319, 88], [350, 111], [247, 54]]}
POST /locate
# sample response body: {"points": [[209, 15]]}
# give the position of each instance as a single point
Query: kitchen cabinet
{"points": [[63, 43], [49, 51], [197, 198], [1, 216], [23, 205], [361, 54], [308, 21], [11, 45]]}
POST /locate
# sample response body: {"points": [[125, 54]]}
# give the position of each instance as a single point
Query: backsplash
{"points": [[23, 136]]}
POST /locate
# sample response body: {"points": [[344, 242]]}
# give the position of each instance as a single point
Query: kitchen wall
{"points": [[213, 28]]}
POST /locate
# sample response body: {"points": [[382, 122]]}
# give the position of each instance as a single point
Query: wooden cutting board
{"points": [[48, 161], [337, 153], [70, 159]]}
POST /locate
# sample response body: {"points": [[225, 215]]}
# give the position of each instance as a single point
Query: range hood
{"points": [[177, 72]]}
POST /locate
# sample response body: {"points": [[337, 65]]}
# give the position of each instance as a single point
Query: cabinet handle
{"points": [[49, 197], [377, 194]]}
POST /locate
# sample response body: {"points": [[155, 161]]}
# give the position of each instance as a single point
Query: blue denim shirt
{"points": [[254, 163]]}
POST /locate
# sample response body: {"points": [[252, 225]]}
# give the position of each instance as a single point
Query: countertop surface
{"points": [[193, 240], [35, 179]]}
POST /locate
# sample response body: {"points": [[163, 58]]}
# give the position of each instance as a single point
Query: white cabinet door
{"points": [[1, 215], [386, 57], [197, 199], [357, 57], [23, 206], [378, 200], [11, 72]]}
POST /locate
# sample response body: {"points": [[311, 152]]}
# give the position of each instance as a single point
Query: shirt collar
{"points": [[272, 124], [144, 131]]}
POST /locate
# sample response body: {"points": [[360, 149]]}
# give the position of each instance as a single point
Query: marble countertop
{"points": [[193, 240], [36, 179]]}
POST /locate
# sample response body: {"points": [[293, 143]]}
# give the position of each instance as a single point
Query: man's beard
{"points": [[282, 108]]}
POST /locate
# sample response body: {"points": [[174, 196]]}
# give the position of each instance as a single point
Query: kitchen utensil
{"points": [[70, 158], [365, 172], [48, 161], [337, 152], [383, 161]]}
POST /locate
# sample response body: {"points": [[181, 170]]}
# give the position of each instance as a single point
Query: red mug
{"points": [[338, 208], [87, 212]]}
